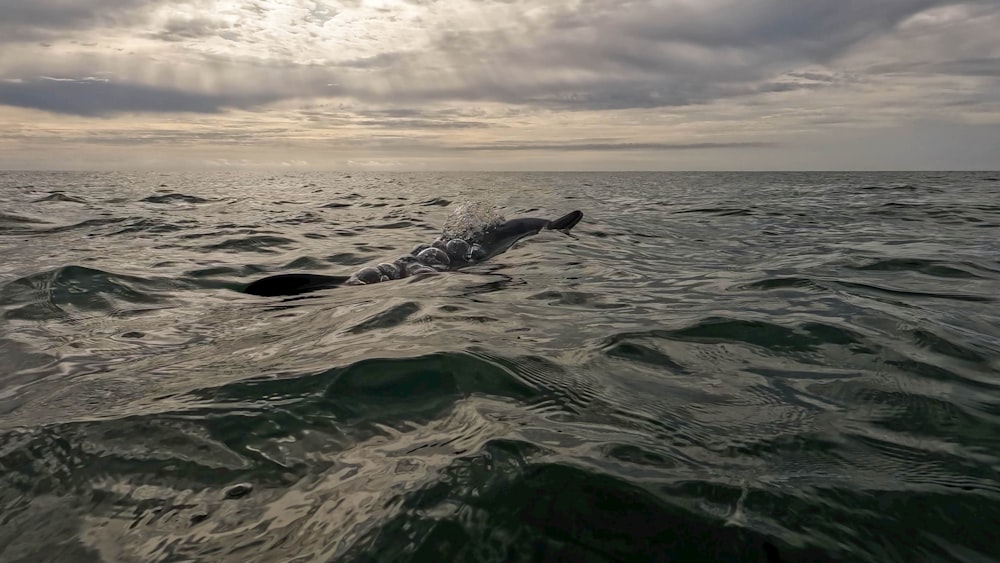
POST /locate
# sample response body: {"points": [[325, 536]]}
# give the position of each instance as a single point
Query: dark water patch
{"points": [[556, 388], [643, 235], [485, 288], [928, 267], [554, 512], [938, 212], [461, 319], [346, 259], [11, 224], [393, 392], [376, 249], [174, 197], [56, 293], [216, 271], [416, 387], [335, 205], [759, 333], [719, 211], [86, 224], [260, 243], [637, 455], [148, 225], [105, 464], [987, 208], [898, 188], [239, 490], [943, 346], [945, 374], [302, 218], [805, 343], [391, 317], [19, 219], [779, 283], [437, 202], [218, 231], [61, 196], [19, 357], [396, 225], [869, 290], [574, 298], [629, 347], [825, 333], [917, 417], [305, 263]]}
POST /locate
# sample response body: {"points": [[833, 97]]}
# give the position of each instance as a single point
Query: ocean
{"points": [[710, 367]]}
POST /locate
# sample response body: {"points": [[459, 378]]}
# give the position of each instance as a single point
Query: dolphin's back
{"points": [[443, 254], [517, 228], [507, 235]]}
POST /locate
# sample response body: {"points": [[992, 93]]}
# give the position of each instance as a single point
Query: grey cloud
{"points": [[22, 20], [604, 56], [395, 112], [596, 93], [179, 29], [601, 56], [818, 28], [734, 34], [814, 76], [381, 60], [398, 118], [783, 86], [419, 124], [969, 67], [97, 97], [320, 13], [613, 146], [988, 67]]}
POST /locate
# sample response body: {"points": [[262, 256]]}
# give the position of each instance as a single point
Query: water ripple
{"points": [[694, 375]]}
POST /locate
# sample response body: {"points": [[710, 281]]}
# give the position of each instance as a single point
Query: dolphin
{"points": [[445, 253]]}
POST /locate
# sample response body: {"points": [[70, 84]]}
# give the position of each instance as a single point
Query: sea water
{"points": [[712, 366]]}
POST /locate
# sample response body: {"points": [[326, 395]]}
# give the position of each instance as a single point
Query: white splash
{"points": [[470, 220]]}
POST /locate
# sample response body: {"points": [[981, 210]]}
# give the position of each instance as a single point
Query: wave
{"points": [[71, 291], [60, 196], [174, 198], [936, 268], [256, 243]]}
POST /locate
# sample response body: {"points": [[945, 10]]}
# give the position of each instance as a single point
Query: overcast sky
{"points": [[500, 84]]}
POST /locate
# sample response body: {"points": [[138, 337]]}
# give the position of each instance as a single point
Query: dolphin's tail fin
{"points": [[293, 284], [566, 222]]}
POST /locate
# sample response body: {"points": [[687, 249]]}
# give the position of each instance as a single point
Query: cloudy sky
{"points": [[500, 84]]}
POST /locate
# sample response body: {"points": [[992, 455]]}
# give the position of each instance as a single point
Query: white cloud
{"points": [[408, 81]]}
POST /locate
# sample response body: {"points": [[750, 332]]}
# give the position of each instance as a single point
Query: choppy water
{"points": [[718, 367]]}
